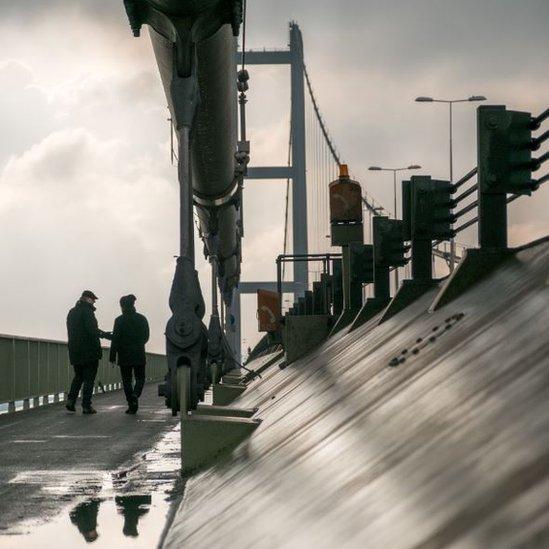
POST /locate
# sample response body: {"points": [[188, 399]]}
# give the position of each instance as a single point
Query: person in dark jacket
{"points": [[129, 335], [84, 350]]}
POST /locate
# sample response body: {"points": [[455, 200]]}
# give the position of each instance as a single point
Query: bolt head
{"points": [[492, 122]]}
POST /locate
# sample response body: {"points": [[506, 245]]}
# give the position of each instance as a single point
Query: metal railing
{"points": [[38, 371]]}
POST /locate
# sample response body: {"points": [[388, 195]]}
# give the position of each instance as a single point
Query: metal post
{"points": [[421, 260], [492, 220], [234, 325], [279, 277], [396, 217], [452, 241], [186, 228], [346, 277], [299, 184], [215, 308], [381, 283]]}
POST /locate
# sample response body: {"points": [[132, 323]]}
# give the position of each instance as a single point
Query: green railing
{"points": [[36, 371]]}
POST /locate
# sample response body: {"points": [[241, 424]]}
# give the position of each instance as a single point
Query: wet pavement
{"points": [[68, 480]]}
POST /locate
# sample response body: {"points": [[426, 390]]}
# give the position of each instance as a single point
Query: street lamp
{"points": [[450, 102], [394, 170]]}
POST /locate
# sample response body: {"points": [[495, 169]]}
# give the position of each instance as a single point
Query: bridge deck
{"points": [[52, 459]]}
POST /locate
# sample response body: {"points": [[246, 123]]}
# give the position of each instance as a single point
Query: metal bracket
{"points": [[185, 332]]}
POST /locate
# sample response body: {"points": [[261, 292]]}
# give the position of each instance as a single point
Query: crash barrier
{"points": [[38, 371]]}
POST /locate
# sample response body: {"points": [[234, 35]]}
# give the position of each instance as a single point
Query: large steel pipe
{"points": [[213, 142]]}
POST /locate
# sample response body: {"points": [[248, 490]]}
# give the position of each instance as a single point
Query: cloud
{"points": [[87, 194], [72, 217]]}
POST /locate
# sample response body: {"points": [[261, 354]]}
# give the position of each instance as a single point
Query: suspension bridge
{"points": [[410, 414]]}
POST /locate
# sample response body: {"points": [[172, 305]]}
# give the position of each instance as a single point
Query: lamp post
{"points": [[450, 102], [395, 170]]}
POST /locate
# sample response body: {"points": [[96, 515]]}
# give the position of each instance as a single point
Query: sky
{"points": [[88, 198]]}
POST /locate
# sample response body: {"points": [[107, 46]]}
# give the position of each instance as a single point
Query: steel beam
{"points": [[287, 287], [265, 57], [269, 172]]}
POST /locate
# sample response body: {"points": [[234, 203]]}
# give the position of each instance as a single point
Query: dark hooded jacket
{"points": [[83, 332], [130, 333]]}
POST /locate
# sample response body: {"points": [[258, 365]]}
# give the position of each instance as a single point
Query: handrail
{"points": [[33, 369], [467, 209], [465, 194], [536, 122], [464, 179]]}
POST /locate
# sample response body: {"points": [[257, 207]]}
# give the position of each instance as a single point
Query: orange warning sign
{"points": [[345, 201], [268, 311]]}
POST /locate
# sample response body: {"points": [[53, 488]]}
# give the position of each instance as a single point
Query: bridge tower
{"points": [[296, 172]]}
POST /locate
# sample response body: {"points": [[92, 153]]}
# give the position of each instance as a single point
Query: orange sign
{"points": [[268, 311], [345, 201]]}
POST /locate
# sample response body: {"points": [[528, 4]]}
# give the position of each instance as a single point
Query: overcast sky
{"points": [[88, 198]]}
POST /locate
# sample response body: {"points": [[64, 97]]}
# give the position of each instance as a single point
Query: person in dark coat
{"points": [[84, 350], [129, 335]]}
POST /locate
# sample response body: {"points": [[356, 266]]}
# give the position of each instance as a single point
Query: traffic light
{"points": [[427, 208], [504, 141], [389, 248]]}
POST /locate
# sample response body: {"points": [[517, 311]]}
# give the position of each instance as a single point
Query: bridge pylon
{"points": [[296, 172]]}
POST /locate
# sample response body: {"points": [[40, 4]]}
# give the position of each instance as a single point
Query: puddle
{"points": [[123, 521], [107, 509]]}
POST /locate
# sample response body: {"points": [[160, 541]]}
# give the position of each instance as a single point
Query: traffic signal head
{"points": [[389, 248], [504, 141], [427, 208]]}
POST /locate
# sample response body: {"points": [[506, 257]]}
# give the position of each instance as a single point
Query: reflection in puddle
{"points": [[84, 516], [132, 507], [117, 509]]}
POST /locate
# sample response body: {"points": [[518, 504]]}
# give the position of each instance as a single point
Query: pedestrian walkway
{"points": [[53, 460]]}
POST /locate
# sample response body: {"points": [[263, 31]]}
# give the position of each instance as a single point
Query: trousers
{"points": [[84, 374], [133, 392]]}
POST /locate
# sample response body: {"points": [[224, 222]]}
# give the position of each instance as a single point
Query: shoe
{"points": [[70, 406], [88, 411], [132, 409]]}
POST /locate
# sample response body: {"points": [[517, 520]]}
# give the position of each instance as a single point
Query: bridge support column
{"points": [[299, 184]]}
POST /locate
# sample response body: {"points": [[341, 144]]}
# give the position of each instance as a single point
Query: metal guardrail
{"points": [[37, 371]]}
